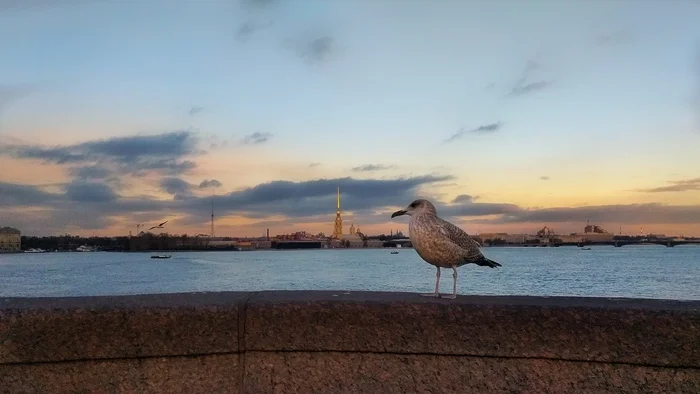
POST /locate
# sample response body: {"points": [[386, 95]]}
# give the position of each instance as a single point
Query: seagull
{"points": [[441, 243], [158, 226]]}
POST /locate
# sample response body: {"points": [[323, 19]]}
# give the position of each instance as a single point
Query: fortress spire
{"points": [[338, 228]]}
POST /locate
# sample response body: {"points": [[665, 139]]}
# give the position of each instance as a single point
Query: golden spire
{"points": [[338, 228]]}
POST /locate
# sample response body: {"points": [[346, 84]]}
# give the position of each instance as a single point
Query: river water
{"points": [[630, 271]]}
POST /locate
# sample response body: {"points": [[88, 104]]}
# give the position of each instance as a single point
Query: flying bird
{"points": [[441, 243], [158, 226]]}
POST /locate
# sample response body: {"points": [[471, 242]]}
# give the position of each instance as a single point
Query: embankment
{"points": [[347, 342]]}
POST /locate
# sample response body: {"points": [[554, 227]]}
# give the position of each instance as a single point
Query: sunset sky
{"points": [[508, 115]]}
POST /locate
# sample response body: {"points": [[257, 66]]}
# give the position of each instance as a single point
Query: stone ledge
{"points": [[84, 328], [643, 332], [299, 372]]}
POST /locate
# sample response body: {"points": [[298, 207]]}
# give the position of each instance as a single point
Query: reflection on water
{"points": [[630, 271]]}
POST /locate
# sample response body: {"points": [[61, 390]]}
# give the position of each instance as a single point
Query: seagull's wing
{"points": [[152, 228], [460, 238], [163, 223]]}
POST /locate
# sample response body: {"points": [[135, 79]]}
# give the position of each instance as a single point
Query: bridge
{"points": [[620, 243]]}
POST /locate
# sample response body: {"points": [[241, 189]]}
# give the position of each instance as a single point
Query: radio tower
{"points": [[212, 217]]}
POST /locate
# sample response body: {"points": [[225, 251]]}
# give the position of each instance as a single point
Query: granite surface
{"points": [[202, 374], [347, 342], [53, 329], [294, 372], [652, 332]]}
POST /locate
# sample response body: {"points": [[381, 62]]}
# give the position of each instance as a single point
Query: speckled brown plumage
{"points": [[441, 243]]}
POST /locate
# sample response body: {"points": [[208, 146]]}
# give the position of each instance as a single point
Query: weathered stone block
{"points": [[61, 329], [203, 374], [653, 332], [299, 372]]}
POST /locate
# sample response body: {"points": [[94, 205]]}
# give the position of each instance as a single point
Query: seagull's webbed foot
{"points": [[448, 296], [435, 295]]}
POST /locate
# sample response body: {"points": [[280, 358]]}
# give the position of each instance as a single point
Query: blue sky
{"points": [[595, 96]]}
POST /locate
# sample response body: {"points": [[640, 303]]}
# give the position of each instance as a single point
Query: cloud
{"points": [[675, 186], [317, 50], [246, 29], [179, 188], [12, 93], [373, 167], [196, 110], [12, 195], [256, 138], [465, 206], [89, 192], [138, 155], [9, 5], [544, 178], [697, 90], [612, 39], [527, 84], [257, 3], [208, 183], [90, 172], [523, 89], [462, 198], [483, 129], [630, 214], [285, 198], [312, 165], [89, 205]]}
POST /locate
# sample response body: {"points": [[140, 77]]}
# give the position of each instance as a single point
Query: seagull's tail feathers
{"points": [[485, 262]]}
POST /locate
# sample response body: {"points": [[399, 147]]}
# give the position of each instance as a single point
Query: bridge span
{"points": [[620, 243]]}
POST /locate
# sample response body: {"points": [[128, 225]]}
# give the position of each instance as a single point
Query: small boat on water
{"points": [[395, 252], [161, 256], [32, 250]]}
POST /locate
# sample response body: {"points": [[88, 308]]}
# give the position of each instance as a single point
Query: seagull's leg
{"points": [[437, 286], [454, 284]]}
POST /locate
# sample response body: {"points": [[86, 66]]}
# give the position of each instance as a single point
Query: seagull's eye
{"points": [[414, 204]]}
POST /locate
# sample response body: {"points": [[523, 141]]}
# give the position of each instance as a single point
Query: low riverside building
{"points": [[10, 240]]}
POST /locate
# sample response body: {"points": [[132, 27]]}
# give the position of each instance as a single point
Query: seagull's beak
{"points": [[398, 213]]}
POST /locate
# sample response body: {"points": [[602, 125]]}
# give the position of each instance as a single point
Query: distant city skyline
{"points": [[509, 118]]}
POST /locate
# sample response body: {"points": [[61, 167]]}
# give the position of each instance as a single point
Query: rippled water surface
{"points": [[630, 271]]}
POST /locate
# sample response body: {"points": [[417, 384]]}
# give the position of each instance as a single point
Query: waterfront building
{"points": [[10, 240]]}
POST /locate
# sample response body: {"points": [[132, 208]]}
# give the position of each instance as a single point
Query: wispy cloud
{"points": [[525, 88], [10, 93], [373, 167], [675, 186], [257, 3], [529, 82], [256, 138], [248, 28], [317, 50], [544, 178], [615, 38], [312, 165], [196, 110], [483, 129]]}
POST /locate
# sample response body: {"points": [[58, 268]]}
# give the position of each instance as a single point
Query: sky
{"points": [[507, 115]]}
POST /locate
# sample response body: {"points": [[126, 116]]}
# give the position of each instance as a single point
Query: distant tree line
{"points": [[147, 241]]}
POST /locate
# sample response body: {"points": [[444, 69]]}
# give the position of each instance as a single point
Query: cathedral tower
{"points": [[338, 229]]}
